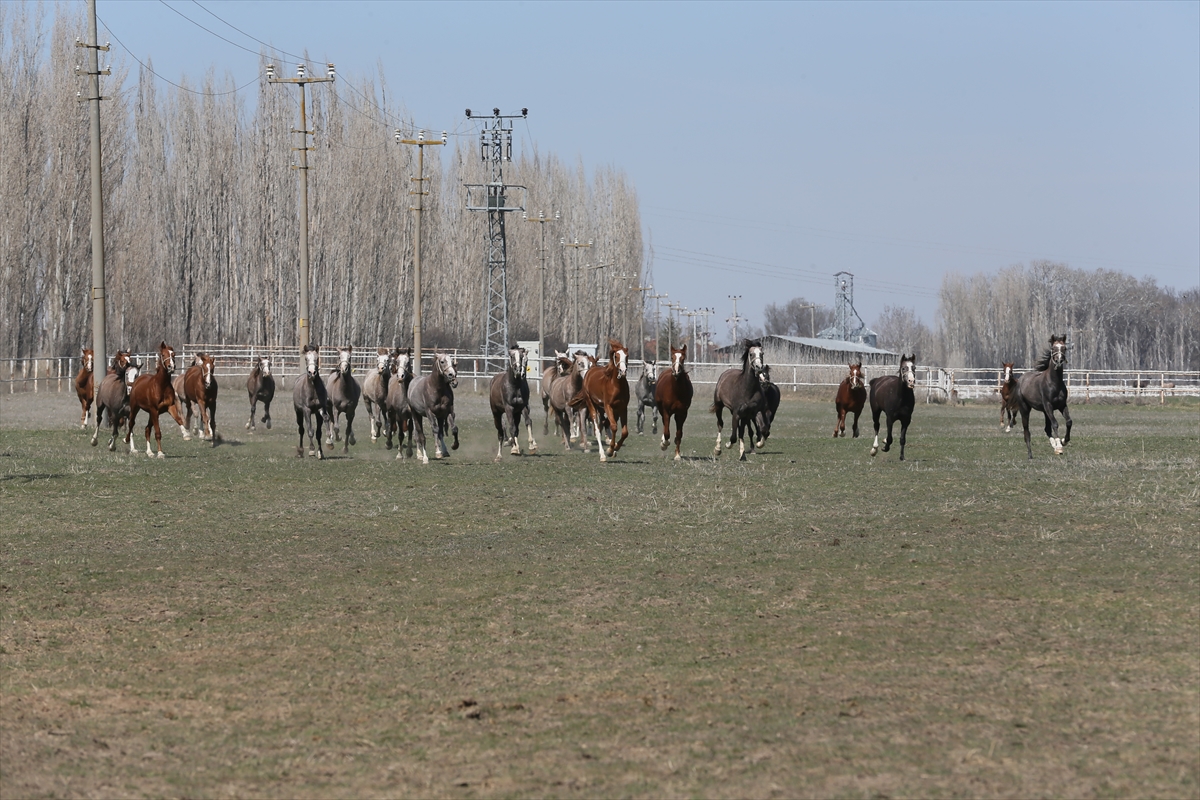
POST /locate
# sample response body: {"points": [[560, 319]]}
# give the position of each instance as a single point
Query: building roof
{"points": [[835, 345]]}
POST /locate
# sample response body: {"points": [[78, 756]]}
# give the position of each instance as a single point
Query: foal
{"points": [[1008, 397]]}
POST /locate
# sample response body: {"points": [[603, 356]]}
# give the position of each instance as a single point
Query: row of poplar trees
{"points": [[202, 208]]}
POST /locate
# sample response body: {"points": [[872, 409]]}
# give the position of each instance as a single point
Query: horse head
{"points": [[383, 361], [344, 354], [206, 368], [518, 359], [312, 360], [166, 357], [619, 356], [1006, 373], [856, 376], [89, 359], [264, 365], [1058, 350], [582, 362], [446, 364], [678, 359], [908, 370], [120, 361], [132, 370], [401, 364], [752, 356]]}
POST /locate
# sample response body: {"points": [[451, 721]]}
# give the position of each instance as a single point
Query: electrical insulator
{"points": [[300, 70]]}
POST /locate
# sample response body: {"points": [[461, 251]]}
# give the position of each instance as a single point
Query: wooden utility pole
{"points": [[420, 144], [305, 318], [99, 330], [542, 219]]}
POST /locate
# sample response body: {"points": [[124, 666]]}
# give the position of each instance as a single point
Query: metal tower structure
{"points": [[843, 306], [495, 147]]}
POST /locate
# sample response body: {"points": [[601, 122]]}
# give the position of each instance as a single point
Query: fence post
{"points": [[1162, 389]]}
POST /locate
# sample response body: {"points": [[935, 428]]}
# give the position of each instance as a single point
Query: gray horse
{"points": [[509, 398], [375, 390], [398, 413], [562, 363], [343, 398], [261, 387], [740, 390], [644, 390], [563, 390], [311, 402], [432, 397], [113, 395]]}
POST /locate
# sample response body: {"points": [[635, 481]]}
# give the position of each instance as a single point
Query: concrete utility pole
{"points": [[305, 322], [598, 269], [99, 330], [495, 147], [542, 219], [622, 281], [706, 313], [672, 306], [657, 298], [576, 245], [641, 290], [420, 144], [735, 319]]}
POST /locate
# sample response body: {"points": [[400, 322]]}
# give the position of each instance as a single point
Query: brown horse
{"points": [[893, 396], [1008, 397], [606, 391], [851, 397], [113, 396], [260, 386], [673, 398], [85, 386], [154, 395], [198, 386]]}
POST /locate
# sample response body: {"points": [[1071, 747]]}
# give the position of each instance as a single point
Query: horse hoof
{"points": [[161, 454], [320, 456], [268, 424], [93, 442], [874, 450], [677, 458]]}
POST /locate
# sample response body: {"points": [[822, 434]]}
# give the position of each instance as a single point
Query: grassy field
{"points": [[234, 621]]}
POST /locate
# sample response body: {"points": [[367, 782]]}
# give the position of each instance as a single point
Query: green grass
{"points": [[812, 622]]}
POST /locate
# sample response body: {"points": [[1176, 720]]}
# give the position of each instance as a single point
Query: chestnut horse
{"points": [[85, 386], [1008, 397], [113, 396], [893, 395], [260, 386], [1043, 389], [606, 391], [673, 397], [154, 395], [199, 386], [851, 397]]}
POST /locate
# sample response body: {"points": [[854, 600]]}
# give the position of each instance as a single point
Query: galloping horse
{"points": [[398, 413], [199, 386], [343, 398], [509, 398], [893, 395], [260, 386], [113, 395], [606, 390], [740, 390], [563, 390], [1043, 389], [85, 386], [432, 396], [766, 417], [1008, 397], [851, 396], [375, 390], [673, 398], [311, 402], [644, 391], [154, 395], [560, 367]]}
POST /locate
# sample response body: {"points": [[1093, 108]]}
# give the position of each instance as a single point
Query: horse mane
{"points": [[1043, 363]]}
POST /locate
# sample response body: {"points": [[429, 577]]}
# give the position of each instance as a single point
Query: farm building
{"points": [[803, 350]]}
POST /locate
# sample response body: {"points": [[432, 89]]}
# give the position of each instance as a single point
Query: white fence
{"points": [[233, 364]]}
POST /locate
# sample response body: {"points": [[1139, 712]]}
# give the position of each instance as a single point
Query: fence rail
{"points": [[233, 362]]}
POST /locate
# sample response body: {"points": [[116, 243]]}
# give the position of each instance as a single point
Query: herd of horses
{"points": [[578, 392]]}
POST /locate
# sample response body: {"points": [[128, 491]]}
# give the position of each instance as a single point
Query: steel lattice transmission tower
{"points": [[843, 306], [494, 197]]}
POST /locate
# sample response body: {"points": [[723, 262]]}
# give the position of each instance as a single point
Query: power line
{"points": [[147, 67]]}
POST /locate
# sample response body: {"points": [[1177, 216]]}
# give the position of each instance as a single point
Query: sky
{"points": [[775, 144]]}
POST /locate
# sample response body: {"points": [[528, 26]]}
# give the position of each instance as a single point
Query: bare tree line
{"points": [[201, 213]]}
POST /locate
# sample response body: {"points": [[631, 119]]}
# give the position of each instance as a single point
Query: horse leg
{"points": [[720, 429], [1052, 431], [740, 425], [349, 430], [533, 447], [129, 432], [266, 417], [653, 422], [417, 421], [1067, 418], [614, 418], [212, 421], [1025, 426], [300, 414], [253, 403], [680, 417], [319, 420], [498, 421], [887, 443], [594, 416], [96, 432], [904, 420], [840, 423], [666, 428], [875, 417]]}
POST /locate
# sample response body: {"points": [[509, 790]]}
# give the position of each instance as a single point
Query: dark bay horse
{"points": [[311, 402], [673, 397], [85, 386], [154, 395], [563, 390], [344, 393], [606, 391], [432, 397], [397, 411], [375, 390], [113, 395], [1008, 397], [740, 390], [508, 395], [1043, 389], [198, 386], [893, 395], [766, 417], [850, 399], [261, 386], [644, 391], [562, 363]]}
